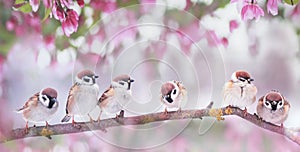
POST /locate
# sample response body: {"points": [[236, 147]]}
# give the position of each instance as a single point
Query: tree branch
{"points": [[218, 113]]}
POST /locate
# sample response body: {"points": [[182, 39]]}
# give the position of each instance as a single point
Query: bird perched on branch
{"points": [[273, 108], [239, 91], [82, 98], [116, 96], [40, 107], [173, 93]]}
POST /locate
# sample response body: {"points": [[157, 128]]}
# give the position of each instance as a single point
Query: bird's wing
{"points": [[286, 103], [70, 100], [32, 101], [107, 94], [261, 100]]}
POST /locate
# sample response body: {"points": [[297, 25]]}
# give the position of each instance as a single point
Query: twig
{"points": [[218, 113]]}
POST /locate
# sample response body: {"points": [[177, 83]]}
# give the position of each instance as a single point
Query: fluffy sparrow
{"points": [[273, 108], [239, 91], [40, 107], [116, 96], [83, 96], [173, 93]]}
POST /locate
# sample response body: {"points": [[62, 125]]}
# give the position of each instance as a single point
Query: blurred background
{"points": [[200, 43]]}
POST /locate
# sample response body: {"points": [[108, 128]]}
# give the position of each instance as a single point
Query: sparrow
{"points": [[239, 91], [273, 108], [40, 107], [116, 96], [83, 96], [173, 93]]}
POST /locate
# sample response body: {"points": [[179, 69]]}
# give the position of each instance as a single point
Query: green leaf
{"points": [[23, 6], [19, 1], [47, 13], [50, 27], [291, 2], [223, 3], [122, 3], [26, 8], [7, 40]]}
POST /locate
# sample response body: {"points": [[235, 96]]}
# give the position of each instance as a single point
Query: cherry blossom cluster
{"points": [[252, 10], [62, 11]]}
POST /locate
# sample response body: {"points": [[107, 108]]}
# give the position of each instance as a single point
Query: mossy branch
{"points": [[218, 113]]}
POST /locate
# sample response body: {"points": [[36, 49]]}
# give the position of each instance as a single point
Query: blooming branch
{"points": [[218, 113]]}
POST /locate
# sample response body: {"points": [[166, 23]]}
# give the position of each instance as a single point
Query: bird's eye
{"points": [[86, 79], [44, 98], [174, 91], [121, 82], [280, 103], [242, 79], [267, 103]]}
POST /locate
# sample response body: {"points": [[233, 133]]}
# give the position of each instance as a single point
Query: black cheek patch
{"points": [[51, 103], [129, 85], [169, 99]]}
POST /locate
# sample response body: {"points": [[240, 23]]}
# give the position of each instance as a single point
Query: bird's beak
{"points": [[54, 100], [250, 80], [131, 80], [96, 76]]}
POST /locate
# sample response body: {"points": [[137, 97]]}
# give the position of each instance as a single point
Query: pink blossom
{"points": [[12, 23], [233, 24], [224, 41], [189, 4], [214, 40], [80, 3], [70, 23], [33, 21], [47, 3], [49, 41], [34, 4], [66, 3], [188, 36], [107, 6], [272, 7], [296, 11], [251, 10], [58, 12], [146, 8]]}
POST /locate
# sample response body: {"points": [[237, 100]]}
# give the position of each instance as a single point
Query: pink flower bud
{"points": [[251, 10]]}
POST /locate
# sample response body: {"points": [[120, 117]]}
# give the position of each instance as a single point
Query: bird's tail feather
{"points": [[66, 118], [19, 110]]}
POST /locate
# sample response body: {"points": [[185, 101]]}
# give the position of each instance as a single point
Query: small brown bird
{"points": [[173, 93], [273, 108], [83, 96], [239, 91], [40, 107], [116, 96]]}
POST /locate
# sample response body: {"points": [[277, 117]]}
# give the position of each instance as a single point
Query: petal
{"points": [[233, 24], [70, 24], [66, 3], [34, 4], [47, 3], [66, 28], [80, 3], [272, 7], [58, 13], [244, 12]]}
